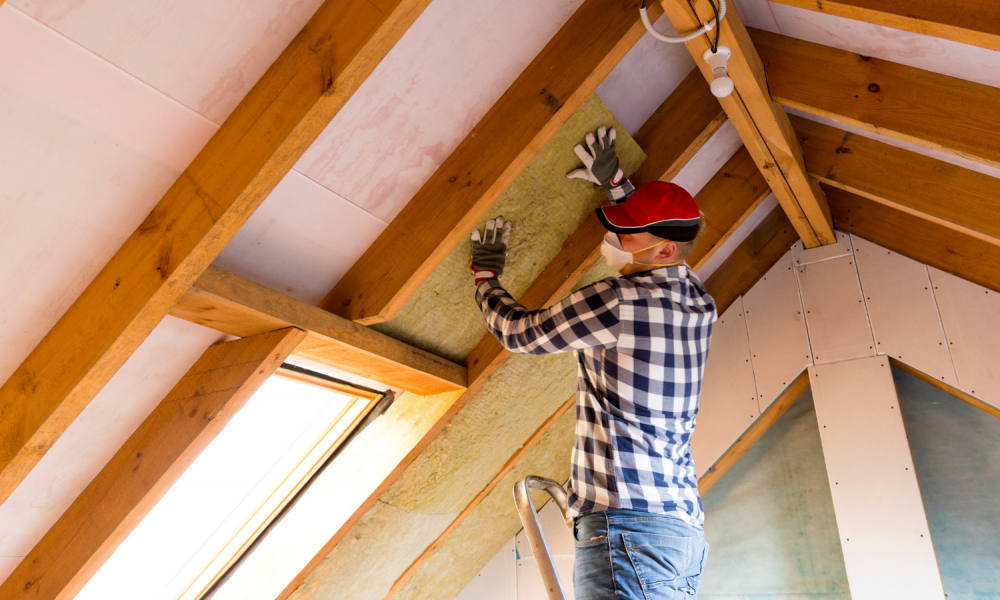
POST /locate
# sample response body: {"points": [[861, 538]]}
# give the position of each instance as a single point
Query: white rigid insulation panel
{"points": [[971, 317], [886, 540], [562, 548], [902, 311], [728, 402], [835, 311], [779, 344], [497, 580], [801, 255]]}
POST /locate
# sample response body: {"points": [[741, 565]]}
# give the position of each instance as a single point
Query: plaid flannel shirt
{"points": [[641, 342]]}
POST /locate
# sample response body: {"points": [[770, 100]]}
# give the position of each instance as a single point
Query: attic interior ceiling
{"points": [[105, 103]]}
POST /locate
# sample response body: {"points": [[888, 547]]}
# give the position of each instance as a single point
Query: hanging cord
{"points": [[720, 13]]}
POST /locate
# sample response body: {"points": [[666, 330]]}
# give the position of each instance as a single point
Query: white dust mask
{"points": [[614, 254]]}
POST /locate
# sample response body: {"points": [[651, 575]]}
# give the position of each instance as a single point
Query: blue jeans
{"points": [[629, 555]]}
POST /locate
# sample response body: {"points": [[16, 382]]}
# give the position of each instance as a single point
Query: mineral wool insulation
{"points": [[545, 208], [442, 317]]}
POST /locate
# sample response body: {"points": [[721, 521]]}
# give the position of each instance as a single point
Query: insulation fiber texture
{"points": [[545, 208], [477, 540], [770, 519]]}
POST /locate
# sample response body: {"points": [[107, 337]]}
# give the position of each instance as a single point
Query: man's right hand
{"points": [[601, 165]]}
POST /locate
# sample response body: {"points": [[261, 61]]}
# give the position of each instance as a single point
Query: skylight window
{"points": [[232, 490]]}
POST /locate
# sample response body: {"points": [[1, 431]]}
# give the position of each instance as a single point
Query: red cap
{"points": [[664, 209]]}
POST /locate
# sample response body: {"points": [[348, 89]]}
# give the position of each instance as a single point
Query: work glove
{"points": [[601, 165], [489, 252]]}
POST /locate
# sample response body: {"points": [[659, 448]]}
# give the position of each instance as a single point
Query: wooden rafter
{"points": [[256, 146], [237, 306], [760, 251], [507, 468], [727, 200], [975, 22], [753, 433], [936, 111], [922, 240], [564, 74], [762, 124], [960, 199], [147, 465], [957, 393]]}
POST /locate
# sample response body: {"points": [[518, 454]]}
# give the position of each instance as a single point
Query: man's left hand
{"points": [[489, 251]]}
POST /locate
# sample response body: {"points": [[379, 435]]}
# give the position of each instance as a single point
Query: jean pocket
{"points": [[594, 541], [658, 560]]}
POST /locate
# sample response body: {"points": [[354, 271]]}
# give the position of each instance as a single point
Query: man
{"points": [[641, 341]]}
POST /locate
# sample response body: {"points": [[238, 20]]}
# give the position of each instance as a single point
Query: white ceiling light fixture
{"points": [[722, 85]]}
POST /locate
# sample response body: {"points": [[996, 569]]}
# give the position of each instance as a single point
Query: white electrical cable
{"points": [[680, 39]]}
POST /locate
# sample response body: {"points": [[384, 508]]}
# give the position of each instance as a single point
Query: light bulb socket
{"points": [[722, 85]]}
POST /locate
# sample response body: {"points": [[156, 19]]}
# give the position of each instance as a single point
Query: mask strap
{"points": [[654, 264]]}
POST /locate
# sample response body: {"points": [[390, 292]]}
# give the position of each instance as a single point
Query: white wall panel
{"points": [[835, 311], [971, 318], [779, 344], [883, 528], [560, 540], [497, 580], [801, 255], [728, 402], [902, 311]]}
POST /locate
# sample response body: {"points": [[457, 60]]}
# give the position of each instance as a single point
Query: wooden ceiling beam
{"points": [[147, 465], [760, 251], [957, 198], [255, 147], [922, 240], [227, 302], [564, 74], [975, 22], [935, 111], [762, 124], [753, 433]]}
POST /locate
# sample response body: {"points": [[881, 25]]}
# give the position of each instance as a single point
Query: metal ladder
{"points": [[533, 529]]}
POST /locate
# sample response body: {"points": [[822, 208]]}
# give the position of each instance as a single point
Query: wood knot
{"points": [[874, 88], [843, 150]]}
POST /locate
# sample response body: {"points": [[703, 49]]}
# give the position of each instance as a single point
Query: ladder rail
{"points": [[533, 529]]}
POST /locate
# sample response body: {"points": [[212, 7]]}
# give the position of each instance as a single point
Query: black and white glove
{"points": [[601, 165], [489, 252]]}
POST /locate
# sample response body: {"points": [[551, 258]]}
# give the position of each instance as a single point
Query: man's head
{"points": [[657, 226]]}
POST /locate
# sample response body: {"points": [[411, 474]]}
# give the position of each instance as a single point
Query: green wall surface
{"points": [[956, 451]]}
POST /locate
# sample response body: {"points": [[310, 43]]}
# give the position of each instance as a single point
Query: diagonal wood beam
{"points": [[507, 468], [924, 241], [246, 158], [762, 124], [760, 251], [957, 198], [975, 22], [753, 433], [727, 200], [935, 111], [147, 465], [682, 125], [227, 302], [564, 74], [957, 393]]}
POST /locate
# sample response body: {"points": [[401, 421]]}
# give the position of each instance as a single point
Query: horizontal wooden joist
{"points": [[254, 148], [227, 302], [762, 124], [922, 240], [957, 198], [147, 466], [564, 74], [975, 22], [935, 111]]}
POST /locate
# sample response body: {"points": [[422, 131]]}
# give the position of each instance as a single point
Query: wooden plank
{"points": [[936, 111], [884, 534], [682, 125], [227, 302], [762, 124], [922, 240], [975, 22], [762, 249], [508, 137], [957, 393], [754, 432], [727, 200], [902, 310], [507, 468], [148, 464], [256, 146], [964, 200]]}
